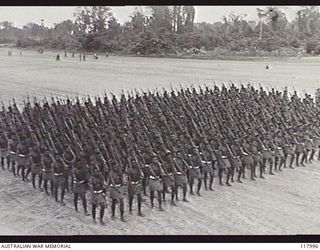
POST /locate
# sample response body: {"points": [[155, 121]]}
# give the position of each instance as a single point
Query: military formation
{"points": [[156, 145]]}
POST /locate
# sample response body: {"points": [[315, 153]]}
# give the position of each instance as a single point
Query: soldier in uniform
{"points": [[194, 169], [168, 177], [59, 180], [13, 155], [36, 161], [288, 150], [146, 161], [69, 158], [249, 158], [135, 177], [208, 161], [180, 177], [117, 189], [299, 150], [4, 148], [47, 172], [223, 161], [257, 159], [155, 181], [267, 156], [80, 182], [23, 154], [278, 157], [309, 148], [235, 161], [98, 186]]}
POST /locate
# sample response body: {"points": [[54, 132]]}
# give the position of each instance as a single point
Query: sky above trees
{"points": [[19, 16]]}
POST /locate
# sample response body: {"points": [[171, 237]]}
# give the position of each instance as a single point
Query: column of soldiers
{"points": [[155, 144]]}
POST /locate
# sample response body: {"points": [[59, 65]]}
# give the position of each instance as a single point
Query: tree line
{"points": [[163, 30]]}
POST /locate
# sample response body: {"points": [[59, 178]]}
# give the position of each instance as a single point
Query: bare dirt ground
{"points": [[287, 203], [39, 75]]}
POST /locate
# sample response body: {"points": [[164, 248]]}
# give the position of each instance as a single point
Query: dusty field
{"points": [[40, 75], [287, 203]]}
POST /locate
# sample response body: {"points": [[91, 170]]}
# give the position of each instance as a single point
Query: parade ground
{"points": [[286, 203], [40, 74]]}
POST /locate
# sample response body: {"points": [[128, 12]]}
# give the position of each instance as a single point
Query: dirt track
{"points": [[287, 203]]}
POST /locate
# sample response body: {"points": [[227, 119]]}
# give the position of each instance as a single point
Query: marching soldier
{"points": [[22, 156], [299, 150], [194, 169], [98, 186], [117, 189], [135, 177], [208, 161], [223, 161], [168, 177], [69, 158], [180, 177], [155, 184], [59, 179], [80, 182], [36, 162], [4, 148], [47, 171]]}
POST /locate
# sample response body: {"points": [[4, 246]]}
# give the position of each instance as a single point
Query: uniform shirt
{"points": [[47, 163], [223, 150], [116, 178], [79, 174], [156, 169], [195, 160], [58, 167], [168, 167], [97, 183], [22, 149], [247, 147], [134, 174], [36, 157]]}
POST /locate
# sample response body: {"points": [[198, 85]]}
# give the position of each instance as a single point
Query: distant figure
{"points": [[84, 57], [107, 55], [65, 53], [80, 56], [58, 57], [95, 56], [267, 67], [72, 54]]}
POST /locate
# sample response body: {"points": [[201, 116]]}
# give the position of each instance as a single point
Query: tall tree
{"points": [[308, 20], [93, 18], [188, 17], [64, 28], [139, 20], [113, 26], [161, 18]]}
